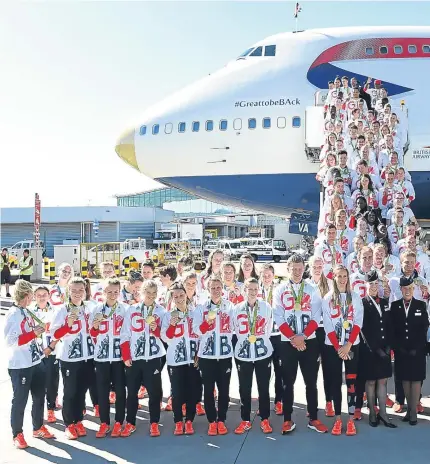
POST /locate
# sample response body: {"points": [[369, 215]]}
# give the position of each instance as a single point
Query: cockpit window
{"points": [[257, 52], [270, 50]]}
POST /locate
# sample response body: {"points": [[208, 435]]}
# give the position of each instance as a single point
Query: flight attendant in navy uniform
{"points": [[375, 357], [410, 324]]}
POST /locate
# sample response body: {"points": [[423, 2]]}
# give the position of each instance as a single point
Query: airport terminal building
{"points": [[90, 224]]}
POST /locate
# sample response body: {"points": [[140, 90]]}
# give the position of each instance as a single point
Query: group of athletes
{"points": [[359, 306]]}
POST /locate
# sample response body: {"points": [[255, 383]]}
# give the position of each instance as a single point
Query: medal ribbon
{"points": [[33, 316], [254, 317], [269, 296], [111, 312], [298, 298]]}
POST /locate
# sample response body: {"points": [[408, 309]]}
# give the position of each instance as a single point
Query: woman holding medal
{"points": [[143, 354], [375, 351], [105, 321], [177, 331], [253, 323], [25, 368], [76, 352], [247, 269], [343, 319], [58, 294], [232, 289], [189, 280], [213, 321], [267, 286], [45, 312]]}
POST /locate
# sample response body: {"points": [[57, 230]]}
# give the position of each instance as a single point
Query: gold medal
{"points": [[174, 314], [98, 317], [150, 320], [211, 315], [252, 339], [345, 325], [297, 307]]}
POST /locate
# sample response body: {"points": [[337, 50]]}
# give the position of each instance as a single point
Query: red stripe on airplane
{"points": [[356, 50]]}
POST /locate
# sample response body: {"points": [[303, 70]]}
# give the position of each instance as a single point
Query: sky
{"points": [[74, 74]]}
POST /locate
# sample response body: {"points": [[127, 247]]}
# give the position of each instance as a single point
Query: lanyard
{"points": [[254, 317], [399, 234], [124, 295], [333, 253], [150, 310]]}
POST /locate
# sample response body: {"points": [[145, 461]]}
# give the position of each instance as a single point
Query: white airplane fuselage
{"points": [[266, 169]]}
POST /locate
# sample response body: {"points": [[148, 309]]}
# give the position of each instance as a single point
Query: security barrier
{"points": [[133, 263], [46, 266], [52, 272], [117, 270], [126, 265], [93, 254], [84, 268]]}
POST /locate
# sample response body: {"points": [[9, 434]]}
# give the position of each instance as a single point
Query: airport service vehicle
{"points": [[269, 100], [232, 249], [266, 249]]}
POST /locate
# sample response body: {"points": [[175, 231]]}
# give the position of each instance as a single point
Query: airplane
{"points": [[249, 135]]}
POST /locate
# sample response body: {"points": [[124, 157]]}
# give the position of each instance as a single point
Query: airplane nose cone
{"points": [[125, 149]]}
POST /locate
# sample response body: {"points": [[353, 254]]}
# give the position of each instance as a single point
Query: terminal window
{"points": [[252, 123], [155, 129], [209, 125], [142, 130], [196, 126]]}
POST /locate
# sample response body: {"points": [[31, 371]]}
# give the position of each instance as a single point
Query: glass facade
{"points": [[154, 198]]}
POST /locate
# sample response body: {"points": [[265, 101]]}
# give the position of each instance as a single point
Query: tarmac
{"points": [[303, 445]]}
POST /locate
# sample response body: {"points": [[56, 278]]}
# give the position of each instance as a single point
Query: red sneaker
{"points": [[189, 428], [287, 427], [222, 429], [154, 431], [200, 410], [337, 428], [265, 426], [51, 419], [243, 427], [96, 411], [278, 408], [318, 426], [80, 429], [350, 428], [389, 402], [420, 408], [116, 431], [179, 428], [103, 430], [398, 407], [357, 415], [71, 433], [19, 441], [213, 429], [43, 432], [142, 392], [168, 406], [329, 411], [112, 397], [128, 430]]}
